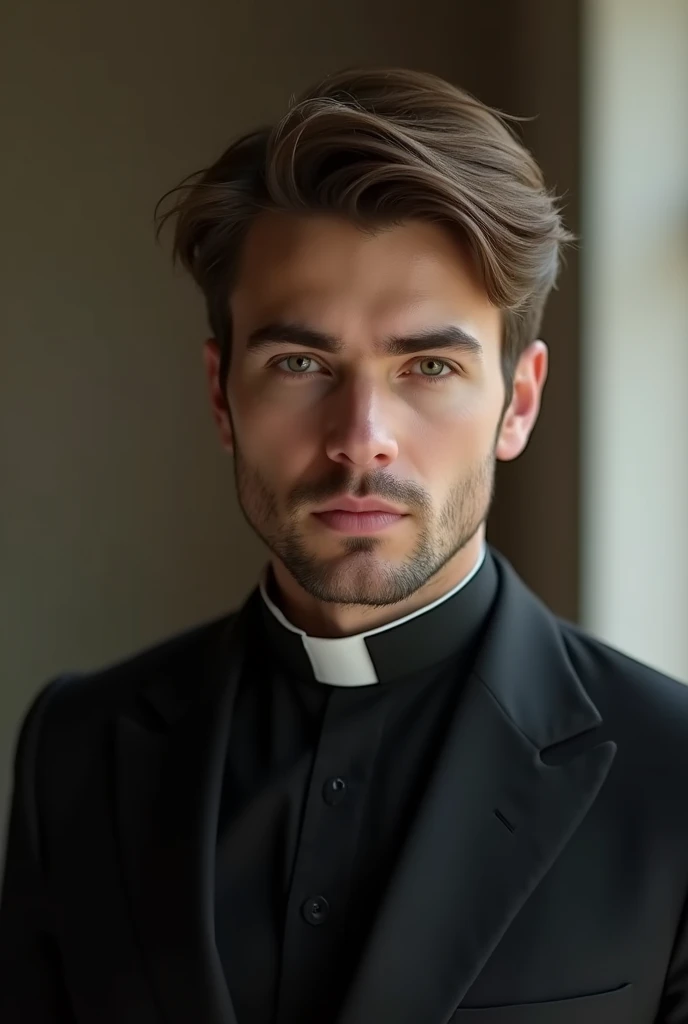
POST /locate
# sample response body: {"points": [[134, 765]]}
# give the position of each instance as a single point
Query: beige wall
{"points": [[119, 524], [635, 365]]}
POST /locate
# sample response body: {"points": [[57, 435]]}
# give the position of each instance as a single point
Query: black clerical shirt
{"points": [[331, 747]]}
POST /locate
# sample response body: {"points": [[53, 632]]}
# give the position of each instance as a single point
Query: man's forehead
{"points": [[336, 287], [306, 304], [317, 251]]}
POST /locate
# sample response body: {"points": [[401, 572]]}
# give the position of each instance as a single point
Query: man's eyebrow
{"points": [[292, 334], [447, 337]]}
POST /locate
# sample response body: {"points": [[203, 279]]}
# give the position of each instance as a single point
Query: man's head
{"points": [[375, 269]]}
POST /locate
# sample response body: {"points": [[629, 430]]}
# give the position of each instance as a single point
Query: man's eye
{"points": [[433, 368], [298, 365]]}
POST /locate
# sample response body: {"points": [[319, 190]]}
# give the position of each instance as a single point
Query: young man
{"points": [[393, 788]]}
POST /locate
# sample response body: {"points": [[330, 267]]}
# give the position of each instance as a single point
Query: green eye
{"points": [[433, 368], [299, 364]]}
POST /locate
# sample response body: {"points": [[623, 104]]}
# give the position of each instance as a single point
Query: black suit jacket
{"points": [[544, 881]]}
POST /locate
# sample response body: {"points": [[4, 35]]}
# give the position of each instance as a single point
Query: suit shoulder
{"points": [[112, 686], [622, 685]]}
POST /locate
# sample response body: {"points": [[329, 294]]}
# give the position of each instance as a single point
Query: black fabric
{"points": [[543, 878], [321, 786]]}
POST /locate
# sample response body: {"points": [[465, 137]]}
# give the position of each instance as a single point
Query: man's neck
{"points": [[324, 619]]}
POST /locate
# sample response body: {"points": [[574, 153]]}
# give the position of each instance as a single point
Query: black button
{"points": [[316, 910], [334, 791]]}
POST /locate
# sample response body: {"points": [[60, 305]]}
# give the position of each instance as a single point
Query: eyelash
{"points": [[431, 379]]}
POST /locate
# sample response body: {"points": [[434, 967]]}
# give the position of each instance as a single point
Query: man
{"points": [[393, 788]]}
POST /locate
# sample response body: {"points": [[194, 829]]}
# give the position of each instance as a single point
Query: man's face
{"points": [[363, 366]]}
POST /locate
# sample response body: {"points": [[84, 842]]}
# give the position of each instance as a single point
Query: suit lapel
{"points": [[169, 779], [493, 820]]}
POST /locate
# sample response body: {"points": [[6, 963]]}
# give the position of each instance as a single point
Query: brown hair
{"points": [[381, 146]]}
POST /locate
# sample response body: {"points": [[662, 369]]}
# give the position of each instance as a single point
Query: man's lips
{"points": [[359, 506], [368, 515]]}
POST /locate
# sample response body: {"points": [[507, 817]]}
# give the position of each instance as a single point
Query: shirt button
{"points": [[316, 910], [334, 791]]}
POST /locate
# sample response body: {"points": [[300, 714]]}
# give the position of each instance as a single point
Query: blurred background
{"points": [[118, 523]]}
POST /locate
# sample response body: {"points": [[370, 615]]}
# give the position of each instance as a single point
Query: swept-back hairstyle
{"points": [[381, 146]]}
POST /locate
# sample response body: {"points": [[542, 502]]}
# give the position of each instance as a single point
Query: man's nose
{"points": [[360, 430]]}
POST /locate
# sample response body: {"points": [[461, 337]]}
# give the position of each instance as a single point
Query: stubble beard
{"points": [[359, 575]]}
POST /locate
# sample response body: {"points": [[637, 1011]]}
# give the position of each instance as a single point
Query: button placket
{"points": [[327, 845]]}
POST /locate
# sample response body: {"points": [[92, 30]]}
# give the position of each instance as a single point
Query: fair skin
{"points": [[320, 405]]}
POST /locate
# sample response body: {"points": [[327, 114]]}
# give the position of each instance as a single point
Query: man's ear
{"points": [[522, 414], [218, 397]]}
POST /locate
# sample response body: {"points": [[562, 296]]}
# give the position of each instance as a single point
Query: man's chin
{"points": [[359, 577]]}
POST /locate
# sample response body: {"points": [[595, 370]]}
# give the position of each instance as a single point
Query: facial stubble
{"points": [[359, 574]]}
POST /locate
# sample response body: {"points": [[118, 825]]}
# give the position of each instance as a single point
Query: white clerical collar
{"points": [[346, 661]]}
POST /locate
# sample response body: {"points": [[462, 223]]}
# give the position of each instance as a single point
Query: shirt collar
{"points": [[409, 644]]}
